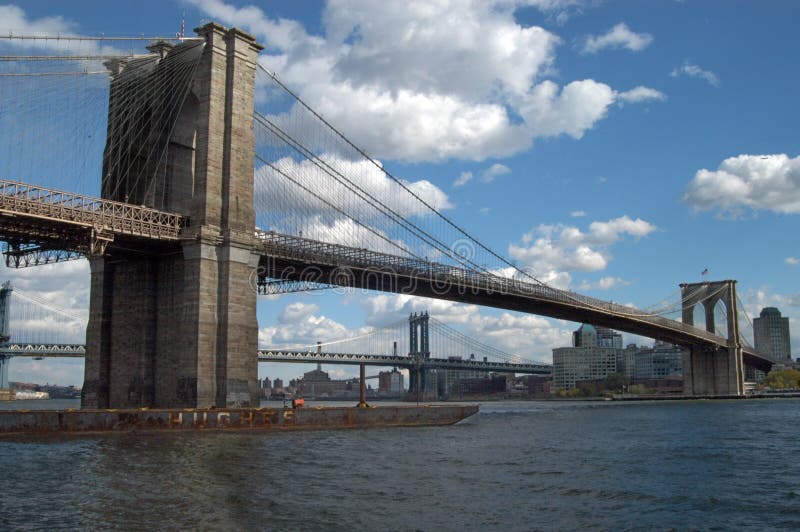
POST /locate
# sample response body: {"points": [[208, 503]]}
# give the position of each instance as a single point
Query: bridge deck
{"points": [[270, 355], [274, 355], [25, 206], [302, 259]]}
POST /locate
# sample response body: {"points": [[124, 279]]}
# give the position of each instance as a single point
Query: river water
{"points": [[514, 466]]}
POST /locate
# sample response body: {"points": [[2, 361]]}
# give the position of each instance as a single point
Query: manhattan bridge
{"points": [[193, 180]]}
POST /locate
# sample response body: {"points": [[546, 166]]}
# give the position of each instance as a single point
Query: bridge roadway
{"points": [[293, 258], [270, 355], [41, 219]]}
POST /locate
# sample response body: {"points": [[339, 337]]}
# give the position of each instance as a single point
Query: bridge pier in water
{"points": [[708, 371], [5, 334], [175, 326]]}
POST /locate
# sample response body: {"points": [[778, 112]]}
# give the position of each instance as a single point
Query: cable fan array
{"points": [[54, 111], [312, 181]]}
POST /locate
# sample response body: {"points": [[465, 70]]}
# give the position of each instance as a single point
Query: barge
{"points": [[41, 422]]}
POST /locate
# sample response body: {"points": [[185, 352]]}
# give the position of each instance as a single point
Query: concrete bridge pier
{"points": [[708, 371], [176, 326]]}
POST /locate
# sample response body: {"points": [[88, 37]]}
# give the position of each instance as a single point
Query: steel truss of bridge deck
{"points": [[49, 350], [265, 355], [44, 225]]}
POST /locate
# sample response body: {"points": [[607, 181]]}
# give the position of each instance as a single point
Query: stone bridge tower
{"points": [[713, 371], [175, 326]]}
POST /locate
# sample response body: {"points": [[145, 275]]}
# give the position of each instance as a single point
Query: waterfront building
{"points": [[449, 380], [537, 385], [265, 386], [626, 360], [585, 361], [492, 384], [390, 383], [317, 383], [771, 335], [659, 362], [572, 364]]}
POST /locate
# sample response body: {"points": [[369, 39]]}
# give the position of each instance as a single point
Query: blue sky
{"points": [[616, 148]]}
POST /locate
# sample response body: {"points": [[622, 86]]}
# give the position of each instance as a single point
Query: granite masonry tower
{"points": [[713, 371], [175, 326]]}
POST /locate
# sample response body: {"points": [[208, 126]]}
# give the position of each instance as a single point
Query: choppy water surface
{"points": [[515, 466]]}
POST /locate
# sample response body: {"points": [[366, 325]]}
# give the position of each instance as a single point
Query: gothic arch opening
{"points": [[180, 174], [721, 319], [699, 316]]}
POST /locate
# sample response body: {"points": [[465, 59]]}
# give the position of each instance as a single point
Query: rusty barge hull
{"points": [[39, 422]]}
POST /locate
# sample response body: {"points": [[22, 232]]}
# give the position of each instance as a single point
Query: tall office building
{"points": [[608, 338], [771, 332], [585, 336]]}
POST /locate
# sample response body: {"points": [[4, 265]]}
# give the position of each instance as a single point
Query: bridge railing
{"points": [[103, 215], [446, 277]]}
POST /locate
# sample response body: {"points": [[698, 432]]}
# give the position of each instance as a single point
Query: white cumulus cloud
{"points": [[757, 182], [694, 71], [300, 325], [463, 179], [641, 94], [428, 81], [604, 283], [620, 36], [14, 20], [390, 308], [497, 169], [551, 251]]}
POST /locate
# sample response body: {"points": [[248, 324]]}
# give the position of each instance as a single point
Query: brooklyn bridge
{"points": [[205, 203]]}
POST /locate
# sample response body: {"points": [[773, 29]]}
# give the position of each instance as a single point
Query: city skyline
{"points": [[613, 149]]}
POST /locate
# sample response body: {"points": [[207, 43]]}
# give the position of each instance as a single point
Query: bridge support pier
{"points": [[5, 336], [177, 327], [4, 360], [707, 371]]}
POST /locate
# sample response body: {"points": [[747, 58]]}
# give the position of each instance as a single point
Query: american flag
{"points": [[704, 272]]}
